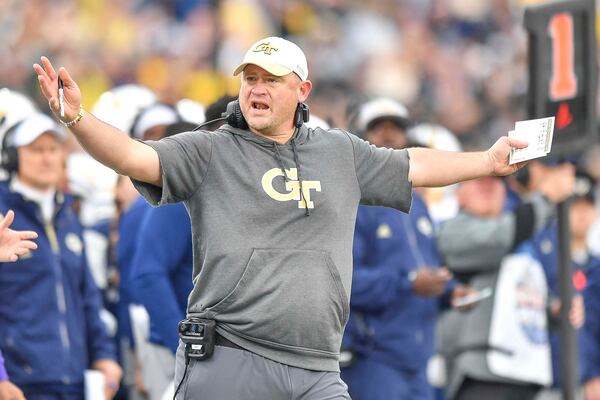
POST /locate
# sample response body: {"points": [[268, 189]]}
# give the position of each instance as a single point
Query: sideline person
{"points": [[273, 206]]}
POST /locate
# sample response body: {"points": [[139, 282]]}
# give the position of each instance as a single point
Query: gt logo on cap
{"points": [[265, 48]]}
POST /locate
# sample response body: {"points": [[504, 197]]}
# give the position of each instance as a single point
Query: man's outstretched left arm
{"points": [[430, 168]]}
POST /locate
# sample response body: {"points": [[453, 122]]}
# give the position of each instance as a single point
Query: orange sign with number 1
{"points": [[563, 81]]}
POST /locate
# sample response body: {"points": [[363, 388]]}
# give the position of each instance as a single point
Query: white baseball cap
{"points": [[381, 108], [33, 127], [155, 115], [277, 56], [14, 107]]}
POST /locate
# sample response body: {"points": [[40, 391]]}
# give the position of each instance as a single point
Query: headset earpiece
{"points": [[234, 115], [302, 115], [10, 155]]}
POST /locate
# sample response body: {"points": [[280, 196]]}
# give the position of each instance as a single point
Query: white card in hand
{"points": [[538, 133], [94, 385]]}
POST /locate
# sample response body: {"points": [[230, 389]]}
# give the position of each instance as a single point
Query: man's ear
{"points": [[304, 90]]}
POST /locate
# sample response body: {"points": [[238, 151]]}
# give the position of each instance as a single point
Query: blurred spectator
{"points": [[398, 283], [151, 122], [131, 209], [161, 279], [591, 332], [12, 245], [441, 202], [50, 305], [500, 349], [591, 164], [545, 248]]}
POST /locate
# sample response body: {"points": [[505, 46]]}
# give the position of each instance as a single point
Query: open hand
{"points": [[14, 243], [48, 80]]}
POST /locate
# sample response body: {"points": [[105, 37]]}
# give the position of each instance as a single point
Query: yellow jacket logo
{"points": [[292, 186], [265, 48]]}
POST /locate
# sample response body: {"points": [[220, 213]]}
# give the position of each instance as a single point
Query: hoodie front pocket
{"points": [[288, 297]]}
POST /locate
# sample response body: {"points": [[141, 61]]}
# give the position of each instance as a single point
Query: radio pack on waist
{"points": [[198, 335]]}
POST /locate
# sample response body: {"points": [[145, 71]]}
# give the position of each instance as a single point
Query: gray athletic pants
{"points": [[232, 374]]}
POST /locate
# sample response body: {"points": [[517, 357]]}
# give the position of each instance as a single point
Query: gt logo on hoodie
{"points": [[292, 186]]}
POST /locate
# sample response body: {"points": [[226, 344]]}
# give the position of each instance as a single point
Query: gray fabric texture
{"points": [[276, 280], [233, 374]]}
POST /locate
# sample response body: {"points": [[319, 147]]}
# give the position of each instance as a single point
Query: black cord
{"points": [[187, 362]]}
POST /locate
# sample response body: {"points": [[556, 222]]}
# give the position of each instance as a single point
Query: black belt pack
{"points": [[198, 335]]}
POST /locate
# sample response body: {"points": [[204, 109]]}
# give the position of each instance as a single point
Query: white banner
{"points": [[519, 327]]}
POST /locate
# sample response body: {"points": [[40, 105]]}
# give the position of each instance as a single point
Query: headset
{"points": [[10, 155], [234, 117]]}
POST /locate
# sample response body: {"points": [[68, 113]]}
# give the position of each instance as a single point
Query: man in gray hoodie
{"points": [[273, 205]]}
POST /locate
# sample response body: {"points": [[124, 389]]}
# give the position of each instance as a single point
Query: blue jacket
{"points": [[50, 326], [546, 251], [388, 322], [591, 329], [129, 227], [162, 270]]}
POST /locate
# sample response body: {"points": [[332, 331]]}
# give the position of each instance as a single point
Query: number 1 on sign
{"points": [[563, 82]]}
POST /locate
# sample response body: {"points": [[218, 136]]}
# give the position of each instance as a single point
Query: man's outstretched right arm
{"points": [[105, 143]]}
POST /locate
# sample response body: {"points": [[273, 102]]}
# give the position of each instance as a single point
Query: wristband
{"points": [[74, 121]]}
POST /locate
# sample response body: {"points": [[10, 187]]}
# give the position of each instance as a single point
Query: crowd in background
{"points": [[460, 65]]}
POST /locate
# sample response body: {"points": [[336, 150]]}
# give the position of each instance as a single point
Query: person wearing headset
{"points": [[50, 326], [272, 205]]}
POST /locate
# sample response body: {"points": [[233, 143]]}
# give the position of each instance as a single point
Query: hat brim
{"points": [[401, 122], [269, 66], [26, 141]]}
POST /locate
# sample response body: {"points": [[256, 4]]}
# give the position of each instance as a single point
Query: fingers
{"points": [[66, 78], [54, 105], [5, 223], [444, 274], [21, 251], [39, 70], [46, 86], [46, 77], [48, 68], [519, 144], [521, 164], [27, 244], [27, 235]]}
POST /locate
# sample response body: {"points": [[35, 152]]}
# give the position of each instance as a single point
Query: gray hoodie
{"points": [[272, 262]]}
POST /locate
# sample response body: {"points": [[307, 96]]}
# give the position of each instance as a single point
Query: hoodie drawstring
{"points": [[298, 169], [297, 162], [280, 161]]}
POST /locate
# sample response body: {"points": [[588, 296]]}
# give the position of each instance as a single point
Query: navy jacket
{"points": [[388, 322], [129, 227], [591, 329], [546, 251], [162, 270], [50, 326]]}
